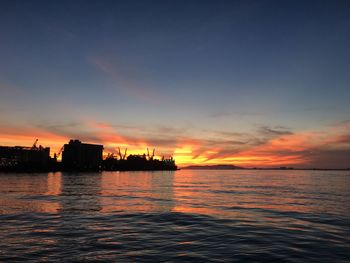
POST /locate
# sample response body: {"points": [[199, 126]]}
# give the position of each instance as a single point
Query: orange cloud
{"points": [[11, 136], [327, 147]]}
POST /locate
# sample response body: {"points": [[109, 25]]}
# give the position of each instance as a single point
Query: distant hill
{"points": [[212, 167]]}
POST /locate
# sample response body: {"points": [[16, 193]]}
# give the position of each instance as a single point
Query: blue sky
{"points": [[194, 67]]}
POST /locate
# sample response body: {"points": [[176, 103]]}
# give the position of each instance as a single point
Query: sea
{"points": [[178, 216]]}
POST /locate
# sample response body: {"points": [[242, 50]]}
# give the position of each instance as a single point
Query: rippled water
{"points": [[196, 216]]}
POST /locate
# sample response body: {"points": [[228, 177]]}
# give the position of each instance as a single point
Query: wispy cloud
{"points": [[268, 146], [225, 114], [274, 131], [126, 78]]}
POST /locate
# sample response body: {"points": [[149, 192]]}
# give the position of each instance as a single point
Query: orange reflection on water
{"points": [[192, 194], [136, 192], [25, 193], [248, 194], [245, 194], [54, 184]]}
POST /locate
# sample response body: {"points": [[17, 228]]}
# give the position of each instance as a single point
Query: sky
{"points": [[250, 83]]}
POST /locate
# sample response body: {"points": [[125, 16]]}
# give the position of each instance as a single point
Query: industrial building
{"points": [[21, 157], [78, 156]]}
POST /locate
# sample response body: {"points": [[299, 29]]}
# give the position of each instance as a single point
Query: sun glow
{"points": [[291, 149]]}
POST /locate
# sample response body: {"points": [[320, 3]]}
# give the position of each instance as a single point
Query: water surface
{"points": [[197, 216]]}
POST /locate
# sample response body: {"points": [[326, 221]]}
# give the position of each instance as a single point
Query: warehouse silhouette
{"points": [[77, 156]]}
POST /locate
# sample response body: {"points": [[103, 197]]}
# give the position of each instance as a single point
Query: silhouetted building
{"points": [[138, 163], [20, 157], [80, 156]]}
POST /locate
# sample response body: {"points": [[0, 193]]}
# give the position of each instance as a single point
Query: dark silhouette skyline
{"points": [[248, 83], [78, 157]]}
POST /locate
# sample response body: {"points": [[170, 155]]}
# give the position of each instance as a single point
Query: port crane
{"points": [[59, 153], [121, 156], [34, 145], [150, 157], [110, 156]]}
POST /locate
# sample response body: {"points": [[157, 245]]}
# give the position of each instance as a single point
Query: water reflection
{"points": [[259, 193], [54, 184], [29, 193], [87, 193], [182, 215], [238, 194], [137, 191], [80, 193]]}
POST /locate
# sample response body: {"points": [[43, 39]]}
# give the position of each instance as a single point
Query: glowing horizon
{"points": [[249, 83], [279, 148]]}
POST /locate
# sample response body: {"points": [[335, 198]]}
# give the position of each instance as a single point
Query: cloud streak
{"points": [[126, 78], [267, 147], [274, 131]]}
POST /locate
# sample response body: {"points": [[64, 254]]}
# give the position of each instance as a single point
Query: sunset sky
{"points": [[250, 83]]}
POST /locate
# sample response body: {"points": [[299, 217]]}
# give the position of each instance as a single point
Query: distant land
{"points": [[213, 167], [234, 167]]}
